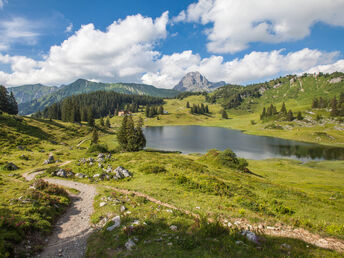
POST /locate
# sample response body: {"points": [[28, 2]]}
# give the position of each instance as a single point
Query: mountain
{"points": [[194, 81], [29, 92], [84, 86], [299, 90]]}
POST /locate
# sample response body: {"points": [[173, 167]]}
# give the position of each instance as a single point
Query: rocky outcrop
{"points": [[195, 82], [50, 160]]}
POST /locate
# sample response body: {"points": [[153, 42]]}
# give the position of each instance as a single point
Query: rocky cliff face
{"points": [[195, 81]]}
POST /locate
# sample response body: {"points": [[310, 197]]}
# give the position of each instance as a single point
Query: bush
{"points": [[229, 159], [153, 169], [100, 148]]}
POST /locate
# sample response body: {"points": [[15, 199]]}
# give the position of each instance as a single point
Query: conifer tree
{"points": [[299, 116], [207, 109], [102, 122], [283, 109], [187, 104], [161, 110], [90, 118], [107, 123], [95, 137], [290, 116], [224, 114], [263, 115], [334, 110]]}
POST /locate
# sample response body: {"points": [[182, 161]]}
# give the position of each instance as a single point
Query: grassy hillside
{"points": [[84, 86], [280, 193], [28, 93]]}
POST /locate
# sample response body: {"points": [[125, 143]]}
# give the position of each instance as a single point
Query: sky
{"points": [[156, 42]]}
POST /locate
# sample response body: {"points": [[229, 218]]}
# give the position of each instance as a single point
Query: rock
{"points": [[122, 208], [101, 160], [122, 172], [61, 173], [101, 156], [102, 204], [90, 160], [169, 211], [108, 169], [198, 208], [136, 223], [50, 160], [70, 174], [336, 80], [170, 244], [80, 175], [96, 176], [285, 246], [82, 161], [130, 244], [250, 236], [117, 221], [173, 228]]}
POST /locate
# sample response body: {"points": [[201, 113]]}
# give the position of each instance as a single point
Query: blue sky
{"points": [[157, 42]]}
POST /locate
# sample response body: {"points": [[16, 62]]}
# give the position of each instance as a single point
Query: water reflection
{"points": [[190, 139]]}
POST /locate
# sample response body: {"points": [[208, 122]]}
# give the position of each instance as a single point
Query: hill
{"points": [[85, 86], [30, 92], [196, 82]]}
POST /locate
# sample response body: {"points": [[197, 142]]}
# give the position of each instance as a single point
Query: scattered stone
{"points": [[96, 176], [101, 156], [285, 246], [102, 204], [122, 208], [170, 244], [130, 244], [198, 208], [117, 223], [122, 172], [61, 173], [80, 175], [50, 160], [170, 211], [136, 223], [250, 236], [173, 228]]}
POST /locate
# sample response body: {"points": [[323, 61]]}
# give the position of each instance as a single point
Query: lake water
{"points": [[199, 139]]}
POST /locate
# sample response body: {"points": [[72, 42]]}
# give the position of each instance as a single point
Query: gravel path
{"points": [[69, 237]]}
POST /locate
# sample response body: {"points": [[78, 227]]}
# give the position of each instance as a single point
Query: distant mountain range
{"points": [[32, 98], [194, 81]]}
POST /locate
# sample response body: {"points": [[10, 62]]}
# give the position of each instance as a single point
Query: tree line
{"points": [[152, 111], [85, 107], [8, 102], [337, 106], [198, 109], [271, 111]]}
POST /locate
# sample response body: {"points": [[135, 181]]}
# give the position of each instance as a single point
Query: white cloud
{"points": [[2, 2], [252, 67], [18, 30], [121, 53], [329, 68], [69, 28], [235, 24]]}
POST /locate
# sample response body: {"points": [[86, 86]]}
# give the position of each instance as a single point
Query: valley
{"points": [[169, 203]]}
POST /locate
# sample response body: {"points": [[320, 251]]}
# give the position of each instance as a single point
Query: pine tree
{"points": [[102, 122], [147, 111], [224, 114], [140, 137], [4, 101], [263, 115], [131, 135], [90, 118], [187, 104], [207, 109], [299, 116], [122, 133], [95, 137], [334, 110], [161, 110], [107, 123], [290, 116], [283, 109]]}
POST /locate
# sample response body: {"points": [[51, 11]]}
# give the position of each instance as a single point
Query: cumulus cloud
{"points": [[121, 53], [235, 24], [69, 28], [329, 68], [2, 2], [252, 67], [18, 30]]}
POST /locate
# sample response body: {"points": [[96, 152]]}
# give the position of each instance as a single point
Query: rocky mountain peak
{"points": [[195, 81]]}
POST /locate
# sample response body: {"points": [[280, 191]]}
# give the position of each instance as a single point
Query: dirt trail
{"points": [[72, 230], [281, 231], [69, 237]]}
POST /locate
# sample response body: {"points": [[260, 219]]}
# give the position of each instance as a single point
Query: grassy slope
{"points": [[285, 184]]}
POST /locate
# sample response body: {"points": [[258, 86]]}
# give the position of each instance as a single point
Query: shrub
{"points": [[100, 148], [153, 169]]}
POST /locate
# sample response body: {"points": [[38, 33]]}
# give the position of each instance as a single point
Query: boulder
{"points": [[117, 221], [50, 160], [96, 176], [101, 156], [61, 172], [122, 172], [251, 236], [102, 204], [80, 175], [130, 244], [70, 174], [173, 228]]}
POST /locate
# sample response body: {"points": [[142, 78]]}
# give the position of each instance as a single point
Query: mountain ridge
{"points": [[84, 86], [195, 82]]}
